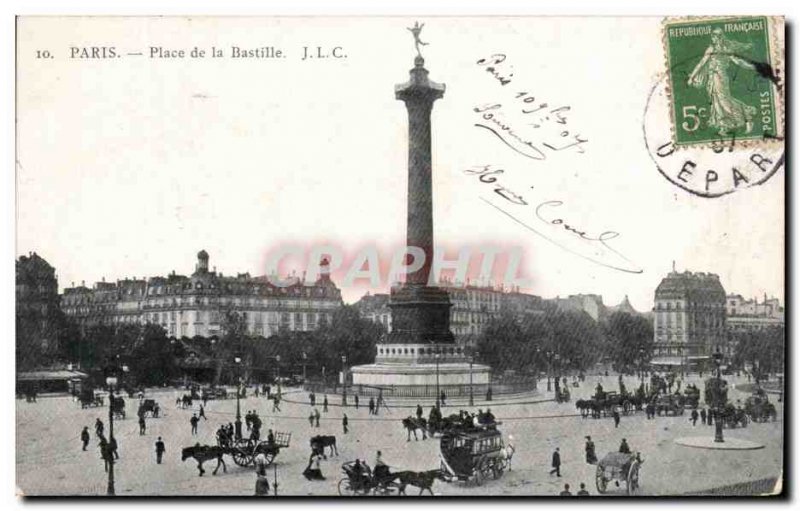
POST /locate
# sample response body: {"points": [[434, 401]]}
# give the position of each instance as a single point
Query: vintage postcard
{"points": [[388, 256]]}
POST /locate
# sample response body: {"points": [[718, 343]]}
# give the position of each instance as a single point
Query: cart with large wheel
{"points": [[245, 450], [619, 467], [474, 454], [360, 480]]}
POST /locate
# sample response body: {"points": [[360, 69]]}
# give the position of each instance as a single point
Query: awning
{"points": [[666, 361], [700, 357], [50, 375]]}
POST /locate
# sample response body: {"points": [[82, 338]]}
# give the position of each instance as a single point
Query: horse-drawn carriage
{"points": [[604, 403], [215, 393], [88, 399], [758, 407], [243, 451], [691, 395], [562, 395], [361, 480], [149, 408], [733, 416], [118, 407], [618, 466], [669, 404], [477, 454]]}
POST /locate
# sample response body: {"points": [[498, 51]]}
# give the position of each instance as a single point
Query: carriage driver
{"points": [[381, 469]]}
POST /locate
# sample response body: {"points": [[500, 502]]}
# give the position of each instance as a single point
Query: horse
{"points": [[508, 453], [422, 480], [203, 453], [320, 442], [412, 425]]}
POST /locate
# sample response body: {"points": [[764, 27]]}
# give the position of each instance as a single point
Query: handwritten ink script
{"points": [[547, 218], [526, 124]]}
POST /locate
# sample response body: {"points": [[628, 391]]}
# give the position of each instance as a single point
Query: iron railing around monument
{"points": [[480, 391]]}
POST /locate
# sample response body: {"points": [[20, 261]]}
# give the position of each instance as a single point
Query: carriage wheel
{"points": [[633, 478], [600, 480], [345, 489]]}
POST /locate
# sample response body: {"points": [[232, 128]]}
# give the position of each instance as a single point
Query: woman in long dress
{"points": [[713, 73]]}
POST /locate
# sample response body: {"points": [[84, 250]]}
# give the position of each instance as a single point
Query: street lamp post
{"points": [[305, 357], [549, 355], [238, 424], [718, 438], [111, 382], [641, 365], [278, 372], [344, 380], [438, 394], [556, 371]]}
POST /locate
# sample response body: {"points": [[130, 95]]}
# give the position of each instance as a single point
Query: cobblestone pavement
{"points": [[50, 460]]}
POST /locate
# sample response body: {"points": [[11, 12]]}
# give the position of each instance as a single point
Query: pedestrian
{"points": [[142, 425], [583, 492], [703, 416], [205, 398], [316, 417], [372, 406], [159, 450], [112, 446], [694, 417], [202, 412], [489, 394], [356, 400], [442, 398], [262, 483], [616, 417], [276, 402], [105, 453], [591, 455], [85, 437], [311, 398], [566, 492], [325, 404], [311, 419], [194, 420], [556, 464], [98, 427], [344, 423], [624, 448], [419, 411]]}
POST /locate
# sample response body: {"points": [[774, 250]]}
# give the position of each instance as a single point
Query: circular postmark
{"points": [[713, 168]]}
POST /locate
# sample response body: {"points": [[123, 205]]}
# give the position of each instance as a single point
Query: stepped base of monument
{"points": [[423, 379]]}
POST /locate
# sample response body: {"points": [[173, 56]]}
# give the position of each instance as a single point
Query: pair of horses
{"points": [[184, 402]]}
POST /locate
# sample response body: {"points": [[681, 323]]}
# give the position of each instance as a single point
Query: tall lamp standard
{"points": [[718, 412], [556, 374], [549, 355], [344, 380], [112, 381], [641, 365], [278, 372], [238, 424], [305, 357], [438, 394]]}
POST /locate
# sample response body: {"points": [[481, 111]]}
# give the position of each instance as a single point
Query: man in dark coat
{"points": [[142, 425], [356, 400], [623, 447], [85, 437], [702, 415], [159, 450], [112, 446], [591, 456], [325, 403], [194, 420], [566, 492], [344, 423], [556, 464], [371, 406], [694, 418], [98, 427], [616, 417], [202, 413], [583, 492], [419, 411]]}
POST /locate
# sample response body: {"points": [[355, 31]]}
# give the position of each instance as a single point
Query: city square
{"points": [[50, 460]]}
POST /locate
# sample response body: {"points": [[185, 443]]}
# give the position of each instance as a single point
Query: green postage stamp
{"points": [[724, 79]]}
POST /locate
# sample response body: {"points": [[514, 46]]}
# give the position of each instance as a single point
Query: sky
{"points": [[128, 166]]}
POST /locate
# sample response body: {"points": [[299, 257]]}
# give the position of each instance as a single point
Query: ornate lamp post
{"points": [[112, 381], [305, 357], [718, 405], [438, 394], [278, 372], [344, 380], [238, 424]]}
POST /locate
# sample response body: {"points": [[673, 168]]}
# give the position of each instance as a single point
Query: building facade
{"points": [[749, 315], [37, 303], [689, 320], [195, 305]]}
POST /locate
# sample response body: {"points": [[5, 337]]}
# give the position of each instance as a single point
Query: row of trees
{"points": [[564, 339], [763, 350]]}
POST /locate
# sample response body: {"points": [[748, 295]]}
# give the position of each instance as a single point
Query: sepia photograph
{"points": [[400, 256]]}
